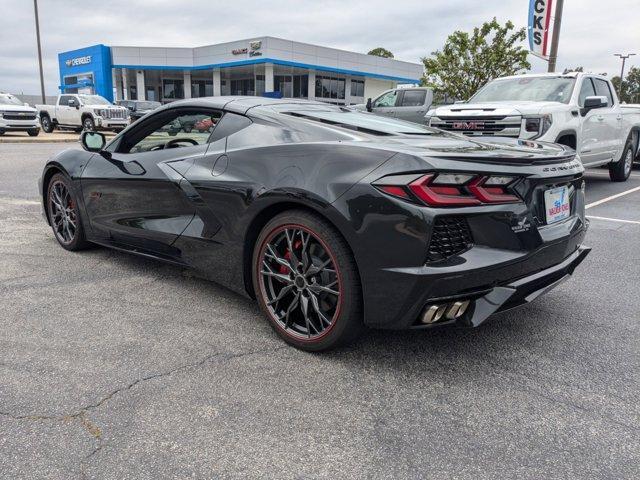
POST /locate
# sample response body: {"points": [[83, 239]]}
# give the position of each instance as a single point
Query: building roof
{"points": [[262, 50]]}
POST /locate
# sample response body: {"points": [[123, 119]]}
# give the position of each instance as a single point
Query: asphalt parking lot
{"points": [[112, 366]]}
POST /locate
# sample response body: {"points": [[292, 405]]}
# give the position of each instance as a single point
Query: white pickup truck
{"points": [[579, 110], [83, 112]]}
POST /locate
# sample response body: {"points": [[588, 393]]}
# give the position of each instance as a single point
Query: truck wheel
{"points": [[47, 124], [620, 170], [34, 133], [88, 124]]}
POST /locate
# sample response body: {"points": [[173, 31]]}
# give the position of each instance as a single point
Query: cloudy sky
{"points": [[592, 30]]}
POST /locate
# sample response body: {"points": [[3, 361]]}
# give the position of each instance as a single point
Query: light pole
{"points": [[35, 7], [624, 59]]}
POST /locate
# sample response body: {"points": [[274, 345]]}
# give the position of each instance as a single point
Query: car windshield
{"points": [[148, 105], [363, 122], [535, 89], [94, 100], [10, 100]]}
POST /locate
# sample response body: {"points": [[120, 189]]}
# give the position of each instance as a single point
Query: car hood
{"points": [[16, 108], [494, 108], [495, 150]]}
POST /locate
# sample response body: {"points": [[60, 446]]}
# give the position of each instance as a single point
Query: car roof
{"points": [[554, 74], [238, 104]]}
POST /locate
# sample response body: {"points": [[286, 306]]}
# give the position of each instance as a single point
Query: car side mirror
{"points": [[93, 141], [369, 105], [591, 103]]}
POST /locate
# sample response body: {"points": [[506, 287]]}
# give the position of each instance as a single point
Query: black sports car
{"points": [[332, 219]]}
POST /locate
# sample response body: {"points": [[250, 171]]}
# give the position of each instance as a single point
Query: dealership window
{"points": [[172, 89], [330, 87], [259, 85], [357, 88], [413, 98], [292, 86], [245, 86], [201, 88], [133, 92]]}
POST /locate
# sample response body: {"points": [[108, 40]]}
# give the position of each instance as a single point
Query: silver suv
{"points": [[409, 104]]}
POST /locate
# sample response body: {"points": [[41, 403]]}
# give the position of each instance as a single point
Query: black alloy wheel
{"points": [[306, 282], [63, 212]]}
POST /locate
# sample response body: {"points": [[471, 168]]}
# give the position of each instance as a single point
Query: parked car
{"points": [[410, 104], [17, 116], [83, 111], [138, 108], [579, 110], [331, 219]]}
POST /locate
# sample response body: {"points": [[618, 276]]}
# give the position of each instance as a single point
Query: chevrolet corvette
{"points": [[332, 219]]}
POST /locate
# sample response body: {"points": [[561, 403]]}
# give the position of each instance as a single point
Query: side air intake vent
{"points": [[451, 236]]}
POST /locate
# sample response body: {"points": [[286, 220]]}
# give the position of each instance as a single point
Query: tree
{"points": [[381, 52], [569, 70], [469, 60], [630, 86]]}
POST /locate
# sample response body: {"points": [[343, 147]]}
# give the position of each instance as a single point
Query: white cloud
{"points": [[411, 29]]}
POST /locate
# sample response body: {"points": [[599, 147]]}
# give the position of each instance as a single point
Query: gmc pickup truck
{"points": [[579, 110], [83, 112]]}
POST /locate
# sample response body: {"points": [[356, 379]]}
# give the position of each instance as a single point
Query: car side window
{"points": [[172, 129], [603, 90], [413, 98], [586, 90], [64, 100], [386, 100]]}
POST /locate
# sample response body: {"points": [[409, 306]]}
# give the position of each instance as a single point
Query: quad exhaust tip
{"points": [[444, 311]]}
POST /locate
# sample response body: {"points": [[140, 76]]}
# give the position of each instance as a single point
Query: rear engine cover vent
{"points": [[451, 236]]}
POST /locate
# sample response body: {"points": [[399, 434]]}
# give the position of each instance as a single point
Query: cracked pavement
{"points": [[113, 366]]}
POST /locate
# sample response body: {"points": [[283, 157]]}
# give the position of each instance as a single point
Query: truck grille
{"points": [[19, 116], [113, 113], [451, 236], [503, 126]]}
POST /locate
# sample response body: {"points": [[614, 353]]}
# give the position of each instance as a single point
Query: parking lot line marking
{"points": [[614, 219], [612, 197]]}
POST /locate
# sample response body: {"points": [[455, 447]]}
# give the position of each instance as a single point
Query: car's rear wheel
{"points": [[64, 214], [306, 282], [47, 124], [620, 170], [34, 132]]}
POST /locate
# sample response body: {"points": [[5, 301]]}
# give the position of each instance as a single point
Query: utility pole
{"points": [[35, 7], [553, 55], [624, 59]]}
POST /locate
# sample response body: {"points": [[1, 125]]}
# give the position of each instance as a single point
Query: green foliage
{"points": [[381, 52], [569, 70], [470, 60], [630, 86]]}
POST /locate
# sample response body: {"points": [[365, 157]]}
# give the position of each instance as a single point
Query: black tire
{"points": [[1, 132], [620, 170], [68, 238], [321, 293], [187, 128], [88, 123], [117, 130], [47, 124], [78, 130], [34, 133]]}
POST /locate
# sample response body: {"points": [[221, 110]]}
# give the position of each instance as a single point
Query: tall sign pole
{"points": [[35, 6], [553, 56]]}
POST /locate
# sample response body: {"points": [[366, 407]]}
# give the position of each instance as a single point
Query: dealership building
{"points": [[258, 66]]}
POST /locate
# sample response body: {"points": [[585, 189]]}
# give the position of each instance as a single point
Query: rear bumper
{"points": [[521, 291]]}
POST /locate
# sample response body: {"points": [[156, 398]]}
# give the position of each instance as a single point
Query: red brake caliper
{"points": [[287, 256]]}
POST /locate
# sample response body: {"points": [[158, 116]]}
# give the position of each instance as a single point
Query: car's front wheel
{"points": [[306, 282], [64, 214], [47, 124], [89, 124]]}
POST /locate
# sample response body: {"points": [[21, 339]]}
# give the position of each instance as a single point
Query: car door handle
{"points": [[619, 117], [600, 118]]}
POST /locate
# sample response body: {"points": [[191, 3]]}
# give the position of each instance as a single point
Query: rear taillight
{"points": [[450, 189]]}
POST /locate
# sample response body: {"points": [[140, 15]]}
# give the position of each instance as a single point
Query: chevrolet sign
{"points": [[74, 62]]}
